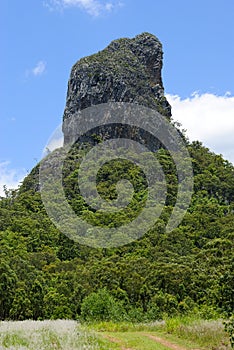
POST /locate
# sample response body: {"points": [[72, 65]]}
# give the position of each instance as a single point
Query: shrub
{"points": [[162, 304], [229, 328], [101, 306]]}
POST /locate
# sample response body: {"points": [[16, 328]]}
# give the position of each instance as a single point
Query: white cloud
{"points": [[208, 118], [39, 68], [55, 142], [93, 7], [10, 177]]}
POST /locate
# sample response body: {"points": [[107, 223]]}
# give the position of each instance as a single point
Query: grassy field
{"points": [[48, 335], [175, 334]]}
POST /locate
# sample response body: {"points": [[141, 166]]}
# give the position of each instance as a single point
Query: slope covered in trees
{"points": [[44, 274]]}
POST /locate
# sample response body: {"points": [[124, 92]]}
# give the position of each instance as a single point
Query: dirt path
{"points": [[157, 339], [165, 342], [117, 341]]}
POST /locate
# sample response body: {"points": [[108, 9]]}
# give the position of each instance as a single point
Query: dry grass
{"points": [[46, 335], [208, 334]]}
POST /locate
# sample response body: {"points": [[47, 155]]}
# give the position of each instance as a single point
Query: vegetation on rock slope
{"points": [[45, 275]]}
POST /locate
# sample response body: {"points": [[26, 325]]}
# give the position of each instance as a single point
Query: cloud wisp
{"points": [[94, 8], [10, 177], [208, 118], [56, 141], [39, 69]]}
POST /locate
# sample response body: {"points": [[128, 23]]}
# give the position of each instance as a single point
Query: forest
{"points": [[46, 275]]}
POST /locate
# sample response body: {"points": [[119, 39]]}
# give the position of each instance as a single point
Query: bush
{"points": [[229, 328], [162, 304], [101, 306]]}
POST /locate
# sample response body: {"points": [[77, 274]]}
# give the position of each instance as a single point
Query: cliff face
{"points": [[128, 70]]}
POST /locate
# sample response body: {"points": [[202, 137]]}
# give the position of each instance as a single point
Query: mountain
{"points": [[127, 71], [45, 274]]}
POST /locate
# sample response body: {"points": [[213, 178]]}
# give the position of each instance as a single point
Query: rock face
{"points": [[128, 70]]}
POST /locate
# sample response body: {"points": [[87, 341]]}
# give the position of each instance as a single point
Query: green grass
{"points": [[137, 341], [125, 326], [208, 334], [188, 332]]}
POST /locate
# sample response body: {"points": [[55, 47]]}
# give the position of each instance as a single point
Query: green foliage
{"points": [[229, 328], [101, 306], [44, 274], [162, 304], [21, 306]]}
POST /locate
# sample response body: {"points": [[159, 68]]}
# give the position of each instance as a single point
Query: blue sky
{"points": [[42, 39]]}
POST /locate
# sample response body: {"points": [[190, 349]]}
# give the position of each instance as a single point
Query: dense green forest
{"points": [[44, 274]]}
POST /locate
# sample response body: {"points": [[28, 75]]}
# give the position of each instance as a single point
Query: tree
{"points": [[101, 306]]}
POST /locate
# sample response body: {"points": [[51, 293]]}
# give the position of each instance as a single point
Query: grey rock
{"points": [[127, 70]]}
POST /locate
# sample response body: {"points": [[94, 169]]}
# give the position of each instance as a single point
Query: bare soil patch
{"points": [[165, 342]]}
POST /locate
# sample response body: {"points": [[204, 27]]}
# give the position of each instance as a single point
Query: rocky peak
{"points": [[127, 70]]}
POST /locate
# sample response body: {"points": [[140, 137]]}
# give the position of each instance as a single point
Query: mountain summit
{"points": [[127, 70]]}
